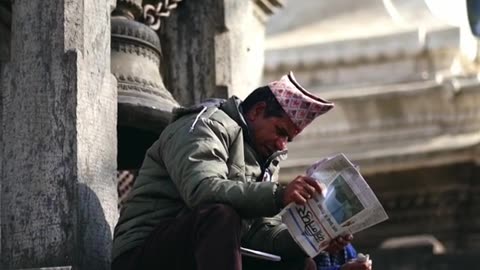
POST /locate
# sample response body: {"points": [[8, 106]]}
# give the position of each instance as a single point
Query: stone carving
{"points": [[152, 14]]}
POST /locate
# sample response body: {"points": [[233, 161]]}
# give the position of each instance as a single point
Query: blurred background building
{"points": [[404, 77]]}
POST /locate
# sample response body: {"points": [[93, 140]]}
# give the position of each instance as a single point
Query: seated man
{"points": [[207, 186]]}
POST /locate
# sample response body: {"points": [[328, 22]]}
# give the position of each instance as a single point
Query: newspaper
{"points": [[349, 206]]}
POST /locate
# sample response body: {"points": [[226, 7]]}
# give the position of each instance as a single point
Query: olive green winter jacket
{"points": [[201, 157]]}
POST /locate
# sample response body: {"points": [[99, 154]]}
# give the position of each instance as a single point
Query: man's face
{"points": [[270, 134]]}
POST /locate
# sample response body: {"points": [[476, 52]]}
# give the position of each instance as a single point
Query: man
{"points": [[207, 185]]}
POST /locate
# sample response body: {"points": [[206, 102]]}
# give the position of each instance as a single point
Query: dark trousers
{"points": [[301, 263], [206, 238]]}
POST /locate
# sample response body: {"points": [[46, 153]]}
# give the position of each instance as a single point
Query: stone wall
{"points": [[58, 100], [5, 25], [215, 48]]}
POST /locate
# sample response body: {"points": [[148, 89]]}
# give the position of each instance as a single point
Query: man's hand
{"points": [[339, 243], [301, 189], [355, 265]]}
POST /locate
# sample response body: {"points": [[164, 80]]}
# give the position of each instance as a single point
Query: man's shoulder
{"points": [[224, 119], [216, 119]]}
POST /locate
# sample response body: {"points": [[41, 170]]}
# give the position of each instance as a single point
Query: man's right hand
{"points": [[301, 189]]}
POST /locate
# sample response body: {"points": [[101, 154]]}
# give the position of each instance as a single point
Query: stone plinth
{"points": [[58, 144]]}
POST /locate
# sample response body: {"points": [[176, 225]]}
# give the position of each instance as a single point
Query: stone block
{"points": [[58, 194]]}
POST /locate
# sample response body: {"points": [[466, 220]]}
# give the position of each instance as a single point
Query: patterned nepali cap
{"points": [[301, 106]]}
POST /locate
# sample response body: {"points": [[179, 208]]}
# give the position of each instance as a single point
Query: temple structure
{"points": [[404, 77]]}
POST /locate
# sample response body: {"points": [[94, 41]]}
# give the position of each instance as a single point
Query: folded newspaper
{"points": [[349, 206]]}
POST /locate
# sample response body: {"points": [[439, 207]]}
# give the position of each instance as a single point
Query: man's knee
{"points": [[220, 214]]}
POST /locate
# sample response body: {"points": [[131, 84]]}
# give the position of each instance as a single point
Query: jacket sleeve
{"points": [[196, 160]]}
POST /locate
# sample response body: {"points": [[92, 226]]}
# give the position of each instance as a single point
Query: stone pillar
{"points": [[5, 20], [5, 24], [215, 48], [58, 148]]}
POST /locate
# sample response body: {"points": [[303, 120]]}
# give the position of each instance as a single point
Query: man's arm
{"points": [[197, 164]]}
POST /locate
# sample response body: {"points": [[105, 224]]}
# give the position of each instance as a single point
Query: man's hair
{"points": [[273, 108]]}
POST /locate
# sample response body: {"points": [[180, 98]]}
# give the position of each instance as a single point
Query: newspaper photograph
{"points": [[349, 206]]}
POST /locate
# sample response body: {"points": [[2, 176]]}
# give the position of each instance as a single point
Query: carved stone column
{"points": [[215, 48], [57, 152], [5, 24]]}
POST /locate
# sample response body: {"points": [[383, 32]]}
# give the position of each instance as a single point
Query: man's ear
{"points": [[259, 108]]}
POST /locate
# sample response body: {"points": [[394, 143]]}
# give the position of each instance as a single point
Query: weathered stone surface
{"points": [[1, 149], [245, 22], [215, 49], [187, 37], [5, 25], [58, 162]]}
